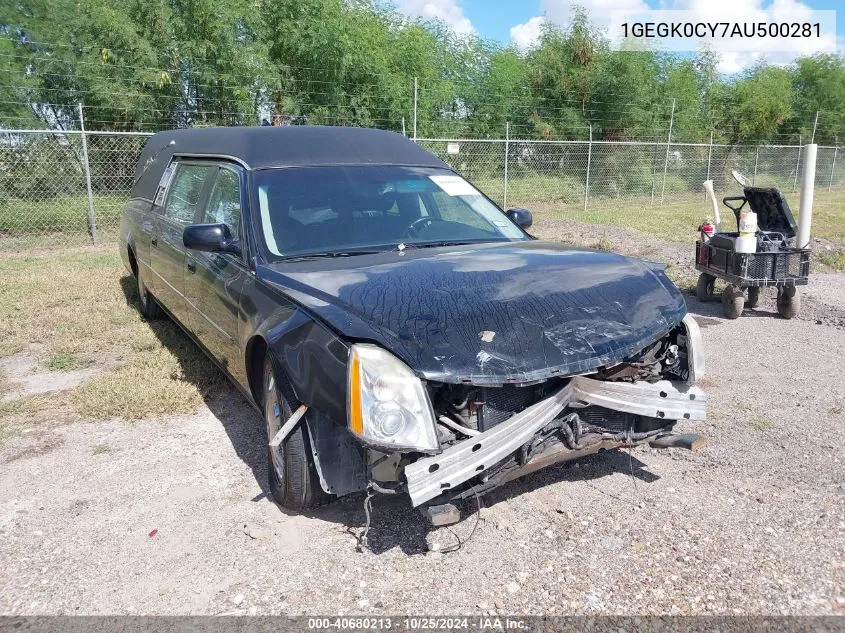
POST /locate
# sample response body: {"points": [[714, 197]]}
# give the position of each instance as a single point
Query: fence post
{"points": [[668, 144], [815, 124], [92, 218], [589, 160], [507, 147], [415, 109], [756, 158], [709, 156], [832, 168], [797, 165], [655, 144]]}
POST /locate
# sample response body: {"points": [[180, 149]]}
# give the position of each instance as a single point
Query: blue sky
{"points": [[494, 19], [519, 21]]}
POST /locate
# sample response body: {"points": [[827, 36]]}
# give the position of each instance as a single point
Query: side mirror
{"points": [[211, 238], [520, 217]]}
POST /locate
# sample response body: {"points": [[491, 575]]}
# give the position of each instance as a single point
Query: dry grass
{"points": [[79, 310], [166, 373], [684, 279], [25, 405], [828, 214], [833, 259]]}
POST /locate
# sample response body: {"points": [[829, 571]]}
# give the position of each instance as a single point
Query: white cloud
{"points": [[560, 11], [527, 34], [449, 12], [731, 62]]}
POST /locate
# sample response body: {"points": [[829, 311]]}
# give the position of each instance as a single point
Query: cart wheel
{"points": [[733, 301], [753, 297], [789, 302], [705, 287]]}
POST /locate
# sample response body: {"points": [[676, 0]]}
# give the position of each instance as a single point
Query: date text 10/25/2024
{"points": [[480, 623]]}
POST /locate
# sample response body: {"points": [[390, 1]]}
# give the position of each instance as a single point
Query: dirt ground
{"points": [[171, 515]]}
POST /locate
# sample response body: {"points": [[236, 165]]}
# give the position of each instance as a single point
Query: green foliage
{"points": [[626, 98], [756, 105], [173, 63], [819, 85], [564, 71]]}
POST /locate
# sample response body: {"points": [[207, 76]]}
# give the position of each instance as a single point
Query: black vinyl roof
{"points": [[291, 146]]}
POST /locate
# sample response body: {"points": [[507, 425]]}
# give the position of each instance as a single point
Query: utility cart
{"points": [[777, 262]]}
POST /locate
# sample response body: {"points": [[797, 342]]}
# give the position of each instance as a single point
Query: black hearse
{"points": [[397, 330]]}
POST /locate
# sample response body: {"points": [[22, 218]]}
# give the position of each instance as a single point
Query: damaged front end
{"points": [[484, 436]]}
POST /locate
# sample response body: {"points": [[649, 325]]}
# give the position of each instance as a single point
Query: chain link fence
{"points": [[597, 174], [46, 199], [64, 188]]}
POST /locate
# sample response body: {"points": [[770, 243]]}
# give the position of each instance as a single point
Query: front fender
{"points": [[314, 360]]}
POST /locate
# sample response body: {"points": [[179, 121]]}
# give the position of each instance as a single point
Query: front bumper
{"points": [[433, 476]]}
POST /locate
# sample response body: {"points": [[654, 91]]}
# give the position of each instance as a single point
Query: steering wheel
{"points": [[415, 226]]}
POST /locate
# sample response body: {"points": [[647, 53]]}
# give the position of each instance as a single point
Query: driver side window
{"points": [[186, 191], [224, 203]]}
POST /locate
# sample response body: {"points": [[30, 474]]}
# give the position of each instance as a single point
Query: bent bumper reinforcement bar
{"points": [[431, 476]]}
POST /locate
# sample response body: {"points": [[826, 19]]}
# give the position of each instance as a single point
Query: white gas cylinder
{"points": [[746, 243]]}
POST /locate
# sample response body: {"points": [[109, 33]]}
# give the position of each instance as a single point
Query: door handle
{"points": [[192, 267], [154, 241]]}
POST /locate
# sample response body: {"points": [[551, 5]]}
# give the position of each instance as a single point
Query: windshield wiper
{"points": [[326, 255], [436, 244]]}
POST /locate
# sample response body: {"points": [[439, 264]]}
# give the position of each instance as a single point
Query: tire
{"points": [[704, 289], [753, 297], [148, 305], [733, 301], [789, 302], [294, 482]]}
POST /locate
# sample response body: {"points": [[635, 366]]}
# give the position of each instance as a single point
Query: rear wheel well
{"points": [[256, 350], [133, 264]]}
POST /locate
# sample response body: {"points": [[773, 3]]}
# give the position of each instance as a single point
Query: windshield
{"points": [[348, 210]]}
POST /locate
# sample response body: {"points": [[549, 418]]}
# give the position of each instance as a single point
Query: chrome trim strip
{"points": [[430, 476]]}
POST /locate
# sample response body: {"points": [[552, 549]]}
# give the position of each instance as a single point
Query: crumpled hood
{"points": [[492, 313]]}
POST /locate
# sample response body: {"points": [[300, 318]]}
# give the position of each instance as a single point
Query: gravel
{"points": [[171, 516]]}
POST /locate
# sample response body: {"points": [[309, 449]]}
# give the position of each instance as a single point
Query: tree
{"points": [[153, 64], [754, 107], [818, 85], [563, 71]]}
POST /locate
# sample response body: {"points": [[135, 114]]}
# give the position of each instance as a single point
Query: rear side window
{"points": [[186, 190]]}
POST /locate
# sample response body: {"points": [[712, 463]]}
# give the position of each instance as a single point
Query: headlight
{"points": [[387, 404]]}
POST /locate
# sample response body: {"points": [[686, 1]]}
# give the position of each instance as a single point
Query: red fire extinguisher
{"points": [[707, 230]]}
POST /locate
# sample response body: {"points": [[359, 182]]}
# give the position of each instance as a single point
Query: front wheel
{"points": [[733, 301], [753, 297], [789, 302], [294, 482], [704, 289]]}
